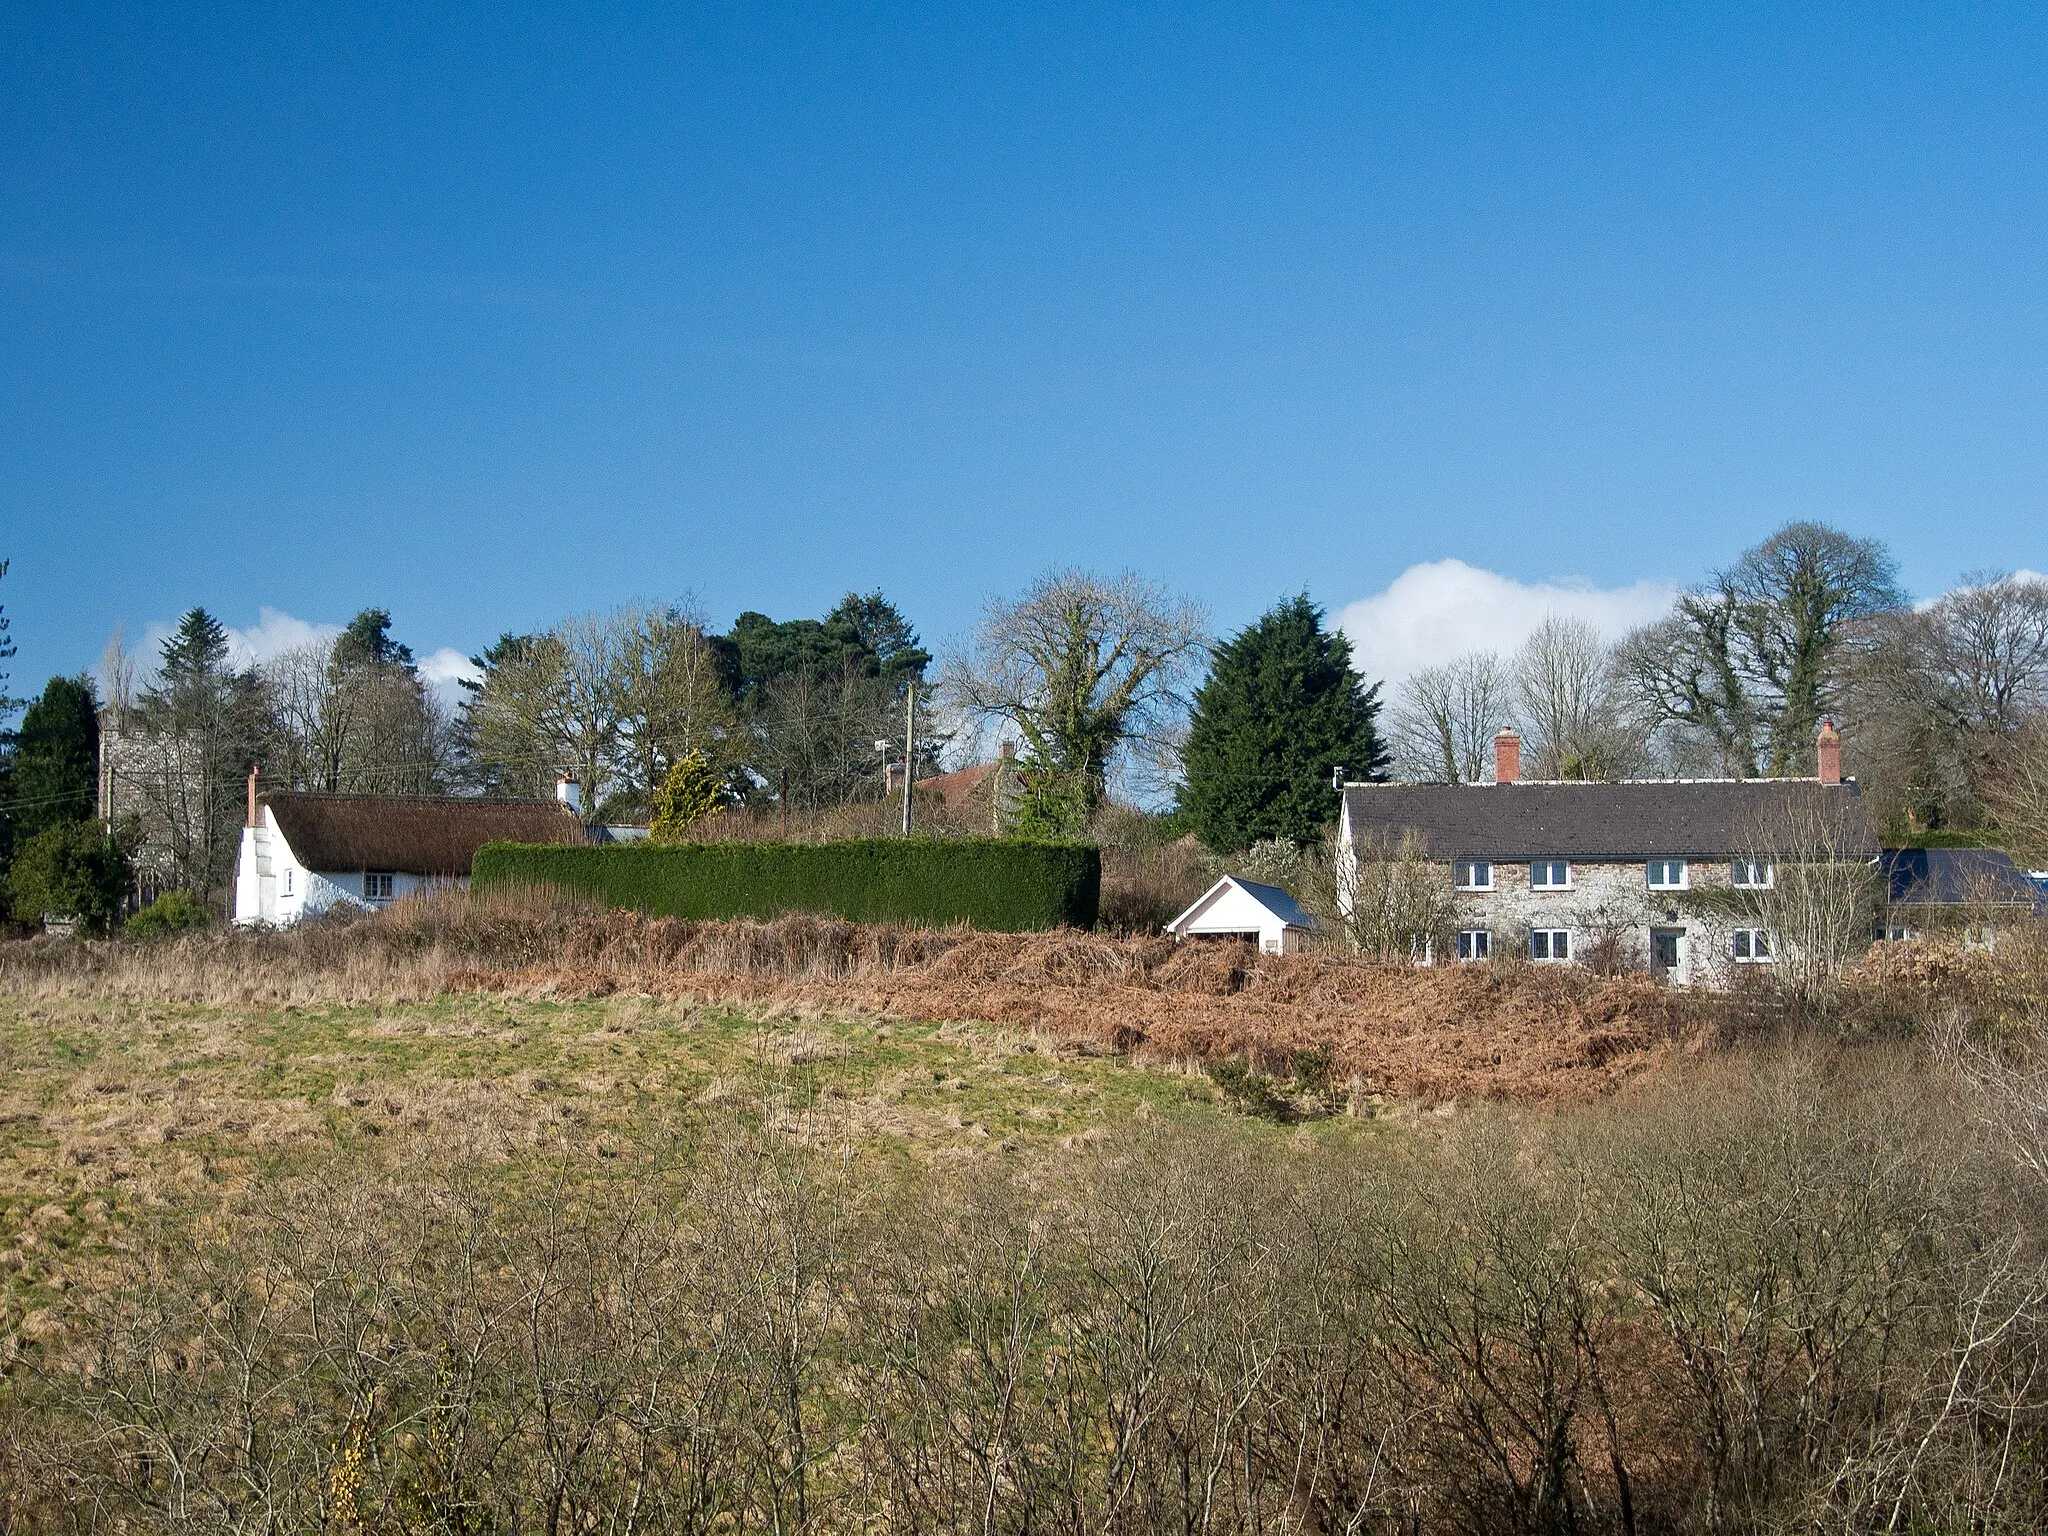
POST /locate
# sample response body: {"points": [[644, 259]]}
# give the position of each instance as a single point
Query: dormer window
{"points": [[1668, 874], [1475, 874], [1550, 875]]}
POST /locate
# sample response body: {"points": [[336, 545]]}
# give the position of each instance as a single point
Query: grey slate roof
{"points": [[1634, 819], [1946, 876], [1277, 902]]}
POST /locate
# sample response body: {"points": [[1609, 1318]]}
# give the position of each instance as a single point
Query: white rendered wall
{"points": [[1237, 911]]}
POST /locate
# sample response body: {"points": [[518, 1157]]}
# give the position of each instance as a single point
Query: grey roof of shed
{"points": [[411, 834], [1271, 897], [1632, 819]]}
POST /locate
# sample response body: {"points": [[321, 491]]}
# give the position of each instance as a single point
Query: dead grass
{"points": [[1492, 1032]]}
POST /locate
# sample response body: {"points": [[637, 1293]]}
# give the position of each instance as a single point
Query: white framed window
{"points": [[1754, 874], [1550, 875], [1550, 944], [287, 886], [1668, 874], [1422, 950], [1898, 933], [377, 885], [1751, 946], [1475, 874], [1475, 943]]}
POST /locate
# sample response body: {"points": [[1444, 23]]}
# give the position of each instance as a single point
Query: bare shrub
{"points": [[1394, 903], [1794, 1291]]}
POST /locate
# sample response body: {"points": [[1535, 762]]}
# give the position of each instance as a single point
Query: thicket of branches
{"points": [[1804, 1293]]}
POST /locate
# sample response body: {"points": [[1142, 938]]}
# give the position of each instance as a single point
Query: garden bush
{"points": [[171, 913]]}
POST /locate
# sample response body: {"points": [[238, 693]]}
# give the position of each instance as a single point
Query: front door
{"points": [[1667, 952]]}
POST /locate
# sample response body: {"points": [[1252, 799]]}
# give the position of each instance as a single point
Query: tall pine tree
{"points": [[1280, 709]]}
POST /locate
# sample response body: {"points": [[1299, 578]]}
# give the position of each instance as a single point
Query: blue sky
{"points": [[492, 316]]}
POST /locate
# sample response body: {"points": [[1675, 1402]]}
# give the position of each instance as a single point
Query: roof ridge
{"points": [[1584, 783], [383, 799]]}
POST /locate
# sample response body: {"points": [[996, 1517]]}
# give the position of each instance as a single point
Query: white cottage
{"points": [[1244, 909], [303, 854]]}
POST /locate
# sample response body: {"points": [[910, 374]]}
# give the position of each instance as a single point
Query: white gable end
{"points": [[1233, 908]]}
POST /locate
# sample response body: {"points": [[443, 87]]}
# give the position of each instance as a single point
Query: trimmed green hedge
{"points": [[1004, 885]]}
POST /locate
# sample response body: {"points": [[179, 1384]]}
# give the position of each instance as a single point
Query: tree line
{"points": [[617, 700], [1099, 682]]}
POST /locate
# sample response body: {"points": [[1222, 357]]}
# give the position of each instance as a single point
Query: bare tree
{"points": [[818, 729], [672, 698], [1445, 717], [1087, 670], [344, 723], [1681, 673], [1814, 897], [1942, 695], [1751, 660], [2016, 792], [1563, 681], [551, 703], [1393, 902]]}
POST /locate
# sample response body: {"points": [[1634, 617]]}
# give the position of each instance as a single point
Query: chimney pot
{"points": [[1828, 753], [1507, 756], [254, 770]]}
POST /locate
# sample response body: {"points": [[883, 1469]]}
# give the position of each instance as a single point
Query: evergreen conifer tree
{"points": [[692, 791], [56, 757], [1280, 709]]}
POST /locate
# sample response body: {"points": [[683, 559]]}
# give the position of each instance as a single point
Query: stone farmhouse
{"points": [[1551, 869]]}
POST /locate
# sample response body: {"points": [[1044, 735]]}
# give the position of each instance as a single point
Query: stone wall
{"points": [[1610, 912]]}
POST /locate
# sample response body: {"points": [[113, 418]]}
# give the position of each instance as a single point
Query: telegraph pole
{"points": [[909, 750]]}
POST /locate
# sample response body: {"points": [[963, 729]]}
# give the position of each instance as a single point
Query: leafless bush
{"points": [[1817, 903], [1393, 902], [1796, 1291]]}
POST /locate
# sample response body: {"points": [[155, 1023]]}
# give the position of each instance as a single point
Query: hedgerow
{"points": [[1004, 885]]}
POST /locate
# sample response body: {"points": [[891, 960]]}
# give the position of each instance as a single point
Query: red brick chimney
{"points": [[254, 769], [1828, 749], [1507, 756]]}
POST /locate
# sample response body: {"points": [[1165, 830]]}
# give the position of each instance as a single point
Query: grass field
{"points": [[468, 1217], [111, 1108]]}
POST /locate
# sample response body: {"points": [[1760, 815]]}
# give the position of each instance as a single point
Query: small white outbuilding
{"points": [[1244, 909]]}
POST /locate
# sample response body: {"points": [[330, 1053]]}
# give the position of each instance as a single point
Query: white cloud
{"points": [[1443, 608], [445, 671], [274, 633]]}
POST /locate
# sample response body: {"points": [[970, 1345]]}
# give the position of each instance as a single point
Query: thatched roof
{"points": [[412, 834]]}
